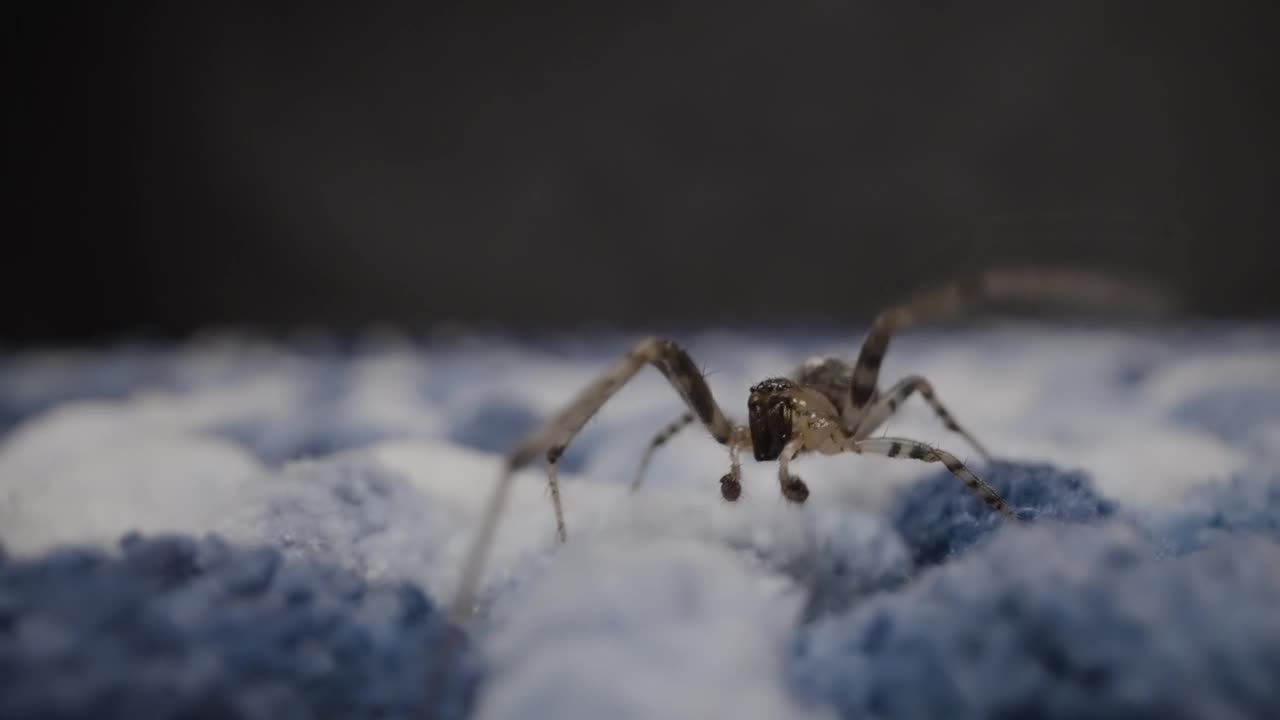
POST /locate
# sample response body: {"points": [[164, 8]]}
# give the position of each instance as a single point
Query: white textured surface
{"points": [[666, 604]]}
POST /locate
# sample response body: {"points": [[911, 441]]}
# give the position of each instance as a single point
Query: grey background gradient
{"points": [[568, 165]]}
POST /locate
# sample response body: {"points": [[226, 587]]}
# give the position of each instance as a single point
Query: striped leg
{"points": [[866, 372], [672, 361], [889, 403], [666, 433], [553, 484], [1067, 288], [553, 436], [915, 450]]}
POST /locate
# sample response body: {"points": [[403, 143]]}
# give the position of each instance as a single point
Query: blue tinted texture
{"points": [[1063, 622], [176, 627], [1242, 505], [938, 517], [1231, 413]]}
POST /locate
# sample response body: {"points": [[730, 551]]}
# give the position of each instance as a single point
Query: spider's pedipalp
{"points": [[730, 487], [793, 488], [731, 483], [916, 450]]}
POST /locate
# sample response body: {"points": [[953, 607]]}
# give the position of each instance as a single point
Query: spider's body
{"points": [[814, 410], [819, 391], [782, 413], [813, 404], [826, 406], [780, 410], [810, 406]]}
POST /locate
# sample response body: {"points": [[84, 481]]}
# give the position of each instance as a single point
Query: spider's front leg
{"points": [[916, 450], [889, 402], [551, 438], [670, 359]]}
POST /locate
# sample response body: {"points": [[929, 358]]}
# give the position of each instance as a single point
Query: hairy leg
{"points": [[672, 361], [888, 404], [553, 436], [1075, 289], [915, 450], [666, 433], [553, 484]]}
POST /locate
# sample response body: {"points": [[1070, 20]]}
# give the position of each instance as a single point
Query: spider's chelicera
{"points": [[825, 406], [769, 416]]}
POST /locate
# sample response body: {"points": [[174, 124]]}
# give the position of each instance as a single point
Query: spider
{"points": [[825, 406]]}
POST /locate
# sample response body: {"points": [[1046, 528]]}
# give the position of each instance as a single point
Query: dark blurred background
{"points": [[542, 165]]}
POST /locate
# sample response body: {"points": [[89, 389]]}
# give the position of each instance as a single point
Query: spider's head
{"points": [[769, 413]]}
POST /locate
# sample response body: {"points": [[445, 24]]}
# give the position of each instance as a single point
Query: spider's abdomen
{"points": [[769, 415], [829, 376]]}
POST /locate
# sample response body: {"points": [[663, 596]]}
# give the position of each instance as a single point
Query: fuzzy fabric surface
{"points": [[238, 528]]}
